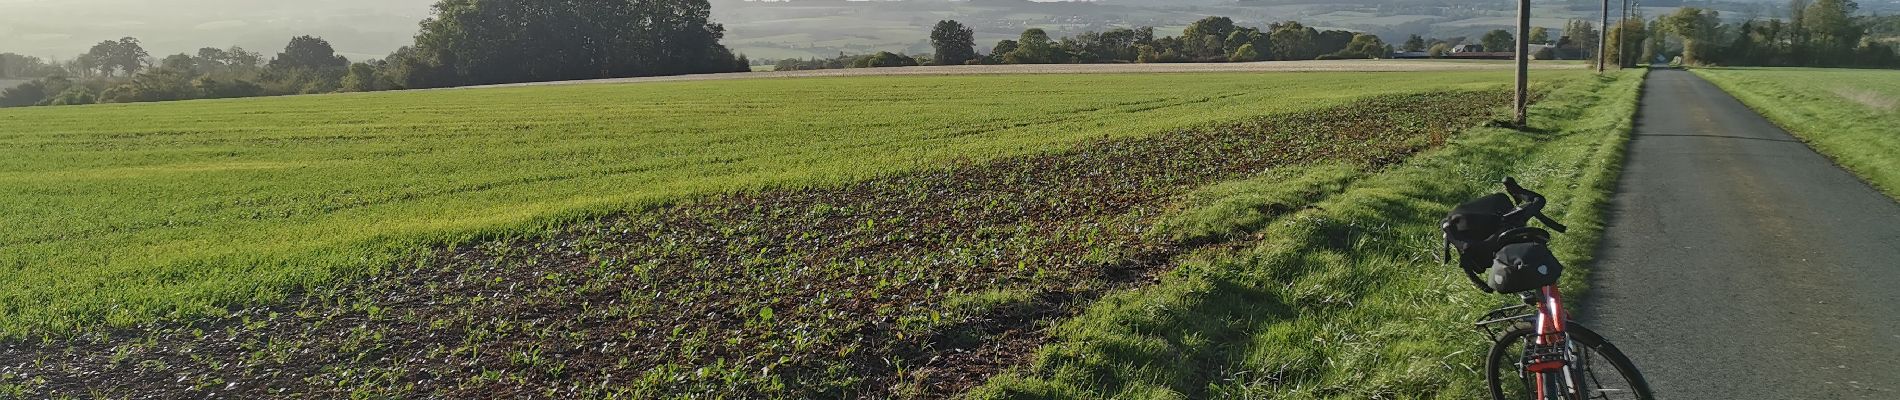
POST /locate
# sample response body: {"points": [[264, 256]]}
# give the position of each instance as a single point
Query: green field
{"points": [[1092, 236], [1852, 116], [122, 214]]}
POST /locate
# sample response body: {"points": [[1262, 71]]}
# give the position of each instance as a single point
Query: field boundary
{"points": [[1045, 69]]}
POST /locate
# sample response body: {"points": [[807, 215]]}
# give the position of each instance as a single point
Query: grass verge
{"points": [[1849, 115], [1344, 300]]}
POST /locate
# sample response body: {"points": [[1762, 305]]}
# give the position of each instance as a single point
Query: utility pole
{"points": [[1622, 45], [1523, 60], [1603, 38]]}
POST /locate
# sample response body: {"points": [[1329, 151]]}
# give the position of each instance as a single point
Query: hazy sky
{"points": [[63, 28]]}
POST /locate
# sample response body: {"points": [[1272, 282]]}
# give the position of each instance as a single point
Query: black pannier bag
{"points": [[1523, 267], [1469, 227]]}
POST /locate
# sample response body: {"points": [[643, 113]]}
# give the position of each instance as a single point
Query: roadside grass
{"points": [[1847, 114], [1344, 300], [123, 214]]}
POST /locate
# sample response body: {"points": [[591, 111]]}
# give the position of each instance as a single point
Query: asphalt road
{"points": [[1740, 264]]}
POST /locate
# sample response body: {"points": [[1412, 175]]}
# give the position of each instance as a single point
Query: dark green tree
{"points": [[1293, 41], [25, 94], [364, 77], [501, 41], [1246, 37], [1334, 41], [125, 54], [1540, 35], [1833, 33], [162, 84], [308, 52], [73, 96], [884, 59], [1583, 39], [1365, 46], [1698, 29], [1001, 50], [1499, 41], [954, 43], [1034, 47], [180, 61], [1632, 34], [1207, 39], [1415, 43], [1219, 27], [1245, 53]]}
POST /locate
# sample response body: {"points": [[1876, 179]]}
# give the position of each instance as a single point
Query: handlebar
{"points": [[1530, 204]]}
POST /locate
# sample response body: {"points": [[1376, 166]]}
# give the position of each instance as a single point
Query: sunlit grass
{"points": [[1847, 114]]}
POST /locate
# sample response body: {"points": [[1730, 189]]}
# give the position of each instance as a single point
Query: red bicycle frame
{"points": [[1547, 365]]}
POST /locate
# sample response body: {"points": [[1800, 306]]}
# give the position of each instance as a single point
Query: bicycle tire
{"points": [[1585, 339]]}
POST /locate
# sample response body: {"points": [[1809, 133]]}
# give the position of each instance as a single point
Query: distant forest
{"points": [[1213, 39], [1210, 40], [467, 42], [1819, 33]]}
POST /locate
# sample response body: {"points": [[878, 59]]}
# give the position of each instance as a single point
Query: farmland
{"points": [[1848, 115], [124, 214], [889, 236]]}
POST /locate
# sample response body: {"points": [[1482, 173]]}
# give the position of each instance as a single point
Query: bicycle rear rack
{"points": [[1508, 317], [1543, 358]]}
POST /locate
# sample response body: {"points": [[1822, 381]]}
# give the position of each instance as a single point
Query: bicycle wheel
{"points": [[1604, 372]]}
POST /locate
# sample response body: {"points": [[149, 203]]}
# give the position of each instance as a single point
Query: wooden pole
{"points": [[1623, 45], [1523, 60], [1603, 38]]}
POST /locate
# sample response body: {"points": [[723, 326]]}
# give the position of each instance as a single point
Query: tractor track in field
{"points": [[920, 285]]}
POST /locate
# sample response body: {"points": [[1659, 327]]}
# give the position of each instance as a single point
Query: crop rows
{"points": [[913, 285]]}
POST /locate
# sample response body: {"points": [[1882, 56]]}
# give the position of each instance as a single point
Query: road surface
{"points": [[1740, 264]]}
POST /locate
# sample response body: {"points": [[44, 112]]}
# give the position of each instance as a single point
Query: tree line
{"points": [[1819, 33], [1211, 39], [465, 42]]}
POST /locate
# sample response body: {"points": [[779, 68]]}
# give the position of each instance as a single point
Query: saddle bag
{"points": [[1523, 267]]}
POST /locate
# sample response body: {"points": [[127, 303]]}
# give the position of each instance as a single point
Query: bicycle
{"points": [[1551, 357]]}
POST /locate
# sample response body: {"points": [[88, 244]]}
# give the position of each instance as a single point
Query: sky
{"points": [[62, 29]]}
